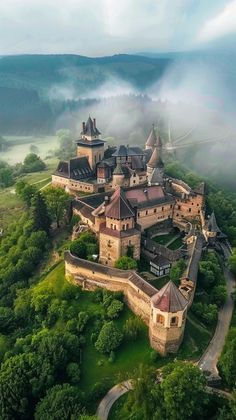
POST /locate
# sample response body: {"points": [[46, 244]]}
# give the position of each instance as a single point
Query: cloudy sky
{"points": [[104, 27]]}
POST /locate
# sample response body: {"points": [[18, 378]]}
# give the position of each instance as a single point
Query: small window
{"points": [[174, 321], [155, 210], [160, 319], [146, 212]]}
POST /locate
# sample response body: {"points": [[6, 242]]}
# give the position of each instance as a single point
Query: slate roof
{"points": [[77, 168], [156, 177], [119, 208], [155, 160], [152, 138], [118, 170], [169, 299], [90, 128], [123, 151], [212, 224]]}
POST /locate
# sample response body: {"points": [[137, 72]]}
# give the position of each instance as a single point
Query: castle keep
{"points": [[130, 196]]}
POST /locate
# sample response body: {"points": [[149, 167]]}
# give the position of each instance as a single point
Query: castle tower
{"points": [[155, 167], [90, 144], [167, 320], [151, 140], [118, 176], [119, 233], [211, 230]]}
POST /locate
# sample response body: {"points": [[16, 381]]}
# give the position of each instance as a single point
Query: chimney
{"points": [[83, 127], [94, 123], [106, 199]]}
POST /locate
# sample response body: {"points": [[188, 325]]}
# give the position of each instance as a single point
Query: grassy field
{"points": [[10, 205], [19, 147]]}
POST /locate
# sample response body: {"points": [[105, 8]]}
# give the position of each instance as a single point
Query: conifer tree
{"points": [[39, 213]]}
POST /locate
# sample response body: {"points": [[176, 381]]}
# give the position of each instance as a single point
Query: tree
{"points": [[6, 177], [184, 392], [232, 262], [79, 248], [57, 202], [22, 381], [227, 362], [39, 213], [33, 163], [61, 402], [115, 308], [219, 295], [126, 263], [176, 271], [109, 338], [25, 191]]}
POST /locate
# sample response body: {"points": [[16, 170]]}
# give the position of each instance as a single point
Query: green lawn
{"points": [[164, 239], [176, 244]]}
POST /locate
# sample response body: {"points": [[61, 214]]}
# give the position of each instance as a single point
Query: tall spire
{"points": [[155, 160]]}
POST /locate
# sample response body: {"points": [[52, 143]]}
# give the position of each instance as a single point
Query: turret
{"points": [[90, 145], [167, 320], [155, 166]]}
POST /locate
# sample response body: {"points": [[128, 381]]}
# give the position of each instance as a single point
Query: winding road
{"points": [[210, 357], [116, 392]]}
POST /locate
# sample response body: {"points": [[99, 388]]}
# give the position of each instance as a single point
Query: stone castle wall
{"points": [[91, 275]]}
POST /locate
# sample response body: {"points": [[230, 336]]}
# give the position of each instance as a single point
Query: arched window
{"points": [[160, 319]]}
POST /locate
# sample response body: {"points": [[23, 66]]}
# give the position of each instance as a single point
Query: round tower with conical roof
{"points": [[118, 176], [167, 319], [155, 164]]}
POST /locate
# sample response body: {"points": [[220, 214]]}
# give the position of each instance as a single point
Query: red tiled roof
{"points": [[119, 207], [145, 194], [169, 299]]}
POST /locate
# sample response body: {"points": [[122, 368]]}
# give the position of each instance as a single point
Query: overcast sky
{"points": [[104, 27]]}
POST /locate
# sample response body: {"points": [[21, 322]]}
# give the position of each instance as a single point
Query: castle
{"points": [[131, 196]]}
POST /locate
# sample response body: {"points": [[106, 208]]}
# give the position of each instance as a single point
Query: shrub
{"points": [[114, 309], [126, 263], [109, 338]]}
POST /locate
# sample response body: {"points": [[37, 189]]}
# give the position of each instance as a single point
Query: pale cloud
{"points": [[92, 27], [222, 24]]}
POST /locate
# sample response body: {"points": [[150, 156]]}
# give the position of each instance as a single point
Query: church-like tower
{"points": [[90, 145], [119, 232], [153, 140], [155, 167]]}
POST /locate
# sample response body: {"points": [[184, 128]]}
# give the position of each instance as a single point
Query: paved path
{"points": [[109, 399], [211, 356]]}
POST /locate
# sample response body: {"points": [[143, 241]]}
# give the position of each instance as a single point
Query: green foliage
{"points": [[25, 192], [73, 373], [57, 201], [61, 402], [219, 295], [177, 270], [126, 263], [227, 361], [232, 262], [33, 163], [114, 309], [39, 213], [79, 248], [23, 378], [182, 401], [109, 338], [207, 313], [85, 246], [132, 328], [6, 177]]}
